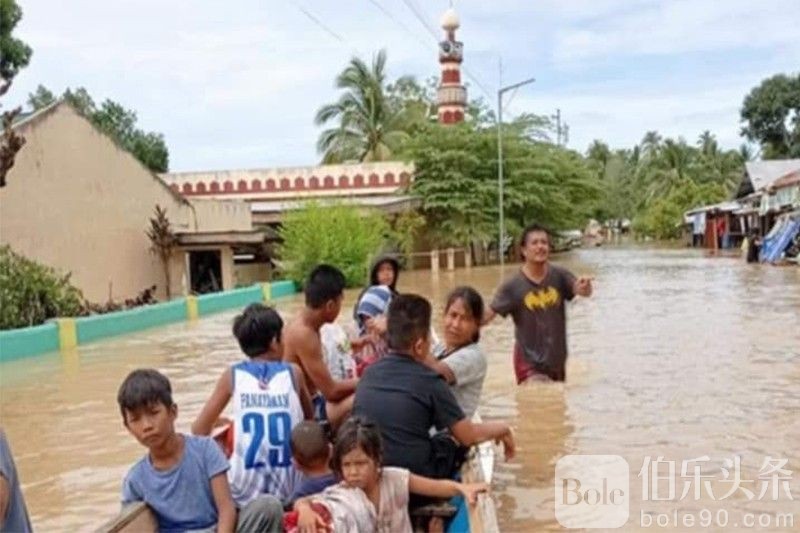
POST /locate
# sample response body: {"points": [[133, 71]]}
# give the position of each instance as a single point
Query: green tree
{"points": [[454, 169], [599, 154], [771, 113], [456, 180], [412, 103], [406, 229], [338, 235], [369, 128], [31, 293], [14, 55], [113, 119], [41, 97], [651, 143]]}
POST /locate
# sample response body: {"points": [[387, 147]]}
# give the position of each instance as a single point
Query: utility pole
{"points": [[500, 93], [558, 126]]}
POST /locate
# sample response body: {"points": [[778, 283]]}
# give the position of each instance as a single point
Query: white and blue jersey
{"points": [[266, 408]]}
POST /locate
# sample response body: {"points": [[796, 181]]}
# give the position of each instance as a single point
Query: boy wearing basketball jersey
{"points": [[269, 399]]}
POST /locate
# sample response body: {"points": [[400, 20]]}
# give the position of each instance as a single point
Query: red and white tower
{"points": [[452, 95]]}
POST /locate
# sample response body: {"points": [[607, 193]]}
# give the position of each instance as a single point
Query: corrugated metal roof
{"points": [[761, 174], [792, 178], [722, 206]]}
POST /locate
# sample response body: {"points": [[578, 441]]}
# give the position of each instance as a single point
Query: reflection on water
{"points": [[677, 354]]}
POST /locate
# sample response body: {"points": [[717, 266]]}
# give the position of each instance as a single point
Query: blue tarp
{"points": [[779, 239]]}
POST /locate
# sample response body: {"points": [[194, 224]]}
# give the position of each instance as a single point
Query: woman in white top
{"points": [[458, 357]]}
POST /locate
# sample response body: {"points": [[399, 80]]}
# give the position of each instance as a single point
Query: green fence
{"points": [[66, 333]]}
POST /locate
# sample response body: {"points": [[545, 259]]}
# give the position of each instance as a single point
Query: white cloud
{"points": [[684, 26], [237, 85]]}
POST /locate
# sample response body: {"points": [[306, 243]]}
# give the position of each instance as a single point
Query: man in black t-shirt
{"points": [[406, 398], [535, 298]]}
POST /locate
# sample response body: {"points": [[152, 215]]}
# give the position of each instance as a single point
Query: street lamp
{"points": [[500, 93]]}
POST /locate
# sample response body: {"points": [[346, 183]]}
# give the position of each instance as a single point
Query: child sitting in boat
{"points": [[311, 453], [269, 399], [370, 497], [183, 477]]}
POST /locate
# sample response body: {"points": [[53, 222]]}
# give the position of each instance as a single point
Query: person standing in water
{"points": [[535, 298]]}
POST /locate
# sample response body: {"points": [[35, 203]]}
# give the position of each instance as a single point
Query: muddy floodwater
{"points": [[678, 355]]}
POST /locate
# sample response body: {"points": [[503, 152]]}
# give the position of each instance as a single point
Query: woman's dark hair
{"points": [[256, 328], [143, 388], [386, 260], [357, 432], [472, 301], [373, 280]]}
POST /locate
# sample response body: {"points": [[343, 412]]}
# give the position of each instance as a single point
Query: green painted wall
{"points": [[212, 303], [16, 343], [91, 328]]}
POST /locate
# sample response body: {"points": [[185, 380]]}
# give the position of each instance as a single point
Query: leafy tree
{"points": [[116, 121], [369, 128], [457, 182], [14, 55], [599, 154], [455, 167], [651, 143], [771, 113], [406, 229], [40, 98], [31, 293], [338, 235], [414, 104]]}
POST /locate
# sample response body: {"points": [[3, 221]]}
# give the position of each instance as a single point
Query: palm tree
{"points": [[708, 144], [599, 152], [369, 129], [671, 170], [746, 152], [651, 142]]}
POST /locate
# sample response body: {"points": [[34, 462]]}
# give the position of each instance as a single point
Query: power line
{"points": [[398, 22], [319, 23]]}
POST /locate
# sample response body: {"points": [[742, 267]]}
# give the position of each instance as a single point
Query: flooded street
{"points": [[677, 355]]}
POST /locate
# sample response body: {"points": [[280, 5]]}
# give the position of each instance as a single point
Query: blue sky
{"points": [[236, 84]]}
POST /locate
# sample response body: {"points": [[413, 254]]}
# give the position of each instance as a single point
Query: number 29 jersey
{"points": [[266, 408]]}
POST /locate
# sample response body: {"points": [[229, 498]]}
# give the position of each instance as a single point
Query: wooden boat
{"points": [[481, 517], [135, 518]]}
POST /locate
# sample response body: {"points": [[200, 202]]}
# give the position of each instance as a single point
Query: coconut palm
{"points": [[651, 142], [672, 169], [600, 154], [368, 129]]}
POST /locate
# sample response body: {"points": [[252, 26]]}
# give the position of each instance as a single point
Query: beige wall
{"points": [[78, 203], [215, 215], [250, 273]]}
